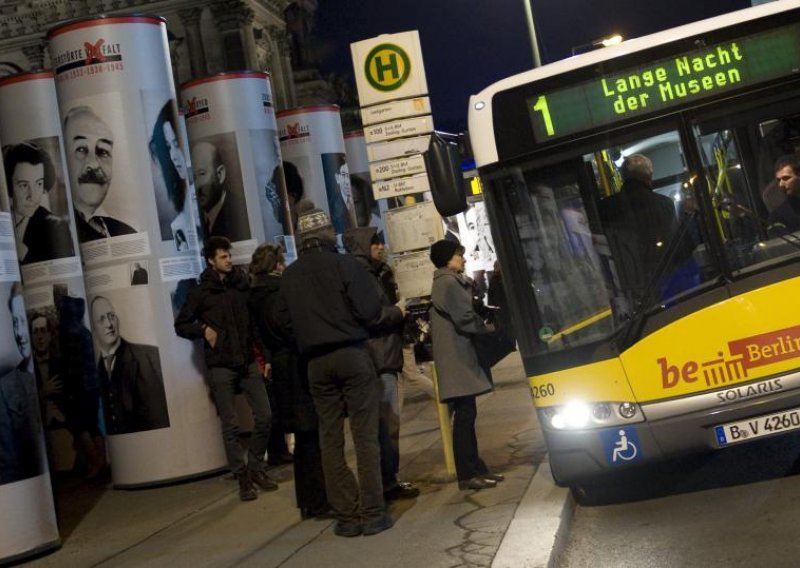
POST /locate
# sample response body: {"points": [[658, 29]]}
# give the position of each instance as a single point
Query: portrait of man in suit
{"points": [[21, 446], [90, 157], [30, 176], [223, 209], [131, 383]]}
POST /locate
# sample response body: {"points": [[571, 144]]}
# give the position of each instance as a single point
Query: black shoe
{"points": [[403, 490], [265, 482], [346, 529], [246, 490], [498, 477], [378, 525], [476, 483]]}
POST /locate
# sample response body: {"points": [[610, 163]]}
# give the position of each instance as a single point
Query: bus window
{"points": [[757, 220], [600, 247]]}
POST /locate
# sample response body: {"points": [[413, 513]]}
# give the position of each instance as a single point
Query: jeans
{"points": [[223, 383], [343, 382], [465, 442], [389, 430], [309, 480]]}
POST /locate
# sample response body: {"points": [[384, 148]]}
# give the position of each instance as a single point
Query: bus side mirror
{"points": [[443, 162]]}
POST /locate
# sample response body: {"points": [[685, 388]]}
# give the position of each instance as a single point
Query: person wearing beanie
{"points": [[386, 348], [454, 323], [332, 302]]}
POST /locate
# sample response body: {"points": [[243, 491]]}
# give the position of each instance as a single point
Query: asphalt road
{"points": [[732, 508]]}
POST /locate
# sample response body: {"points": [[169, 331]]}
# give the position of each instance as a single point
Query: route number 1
{"points": [[541, 106]]}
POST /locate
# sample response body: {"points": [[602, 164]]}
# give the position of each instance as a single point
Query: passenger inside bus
{"points": [[785, 216]]}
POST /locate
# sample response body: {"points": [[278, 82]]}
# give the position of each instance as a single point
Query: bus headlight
{"points": [[579, 415]]}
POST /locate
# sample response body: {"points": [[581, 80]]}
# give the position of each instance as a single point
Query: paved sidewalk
{"points": [[203, 523]]}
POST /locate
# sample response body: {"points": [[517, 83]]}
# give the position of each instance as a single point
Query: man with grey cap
{"points": [[332, 302]]}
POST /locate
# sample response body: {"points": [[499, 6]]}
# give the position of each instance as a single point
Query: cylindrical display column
{"points": [[27, 515], [47, 246], [368, 209], [138, 239], [313, 149], [237, 159]]}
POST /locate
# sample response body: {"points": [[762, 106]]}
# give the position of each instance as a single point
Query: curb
{"points": [[537, 533]]}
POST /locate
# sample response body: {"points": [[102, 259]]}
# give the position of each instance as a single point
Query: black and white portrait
{"points": [[220, 192], [38, 201], [339, 192], [21, 440], [131, 382], [139, 274], [270, 178], [90, 148], [170, 173]]}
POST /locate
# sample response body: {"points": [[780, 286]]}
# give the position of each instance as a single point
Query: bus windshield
{"points": [[605, 234]]}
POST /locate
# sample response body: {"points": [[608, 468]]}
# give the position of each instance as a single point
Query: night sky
{"points": [[469, 44]]}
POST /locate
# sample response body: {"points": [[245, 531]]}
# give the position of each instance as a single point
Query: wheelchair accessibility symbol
{"points": [[621, 446]]}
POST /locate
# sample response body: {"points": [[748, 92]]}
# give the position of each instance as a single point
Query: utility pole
{"points": [[537, 60]]}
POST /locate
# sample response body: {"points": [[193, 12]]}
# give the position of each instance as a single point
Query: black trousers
{"points": [[343, 383], [465, 442], [309, 481]]}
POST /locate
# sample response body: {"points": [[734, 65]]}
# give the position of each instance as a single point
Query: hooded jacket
{"points": [[386, 336], [221, 305]]}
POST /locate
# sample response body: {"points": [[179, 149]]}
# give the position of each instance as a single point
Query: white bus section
{"points": [[481, 120]]}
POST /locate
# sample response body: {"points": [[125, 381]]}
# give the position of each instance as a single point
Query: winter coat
{"points": [[385, 341], [221, 305], [331, 300], [295, 407], [453, 323]]}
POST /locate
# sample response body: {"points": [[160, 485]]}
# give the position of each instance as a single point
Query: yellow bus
{"points": [[649, 238]]}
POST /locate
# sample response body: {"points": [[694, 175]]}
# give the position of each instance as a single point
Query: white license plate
{"points": [[758, 427]]}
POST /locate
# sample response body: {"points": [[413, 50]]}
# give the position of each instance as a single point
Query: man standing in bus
{"points": [[639, 224], [786, 216]]}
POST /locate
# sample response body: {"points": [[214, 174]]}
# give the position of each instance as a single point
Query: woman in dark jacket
{"points": [[460, 376], [287, 371]]}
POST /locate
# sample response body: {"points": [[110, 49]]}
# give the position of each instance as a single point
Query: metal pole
{"points": [[537, 60]]}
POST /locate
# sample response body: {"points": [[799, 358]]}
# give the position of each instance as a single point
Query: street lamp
{"points": [[597, 44], [537, 60]]}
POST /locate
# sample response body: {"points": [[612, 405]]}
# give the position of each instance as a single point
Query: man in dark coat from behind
{"points": [[386, 348], [331, 301]]}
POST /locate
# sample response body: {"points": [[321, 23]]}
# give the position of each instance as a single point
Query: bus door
{"points": [[738, 147], [596, 250]]}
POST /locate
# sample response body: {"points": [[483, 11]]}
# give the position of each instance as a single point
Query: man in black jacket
{"points": [[386, 348], [216, 311], [331, 300]]}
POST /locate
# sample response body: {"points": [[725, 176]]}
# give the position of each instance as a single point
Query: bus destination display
{"points": [[694, 75]]}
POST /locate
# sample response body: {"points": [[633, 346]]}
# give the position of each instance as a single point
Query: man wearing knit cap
{"points": [[332, 301]]}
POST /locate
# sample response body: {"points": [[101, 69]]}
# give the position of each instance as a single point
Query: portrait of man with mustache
{"points": [[90, 145]]}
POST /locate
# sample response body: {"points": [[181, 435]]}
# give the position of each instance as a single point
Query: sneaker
{"points": [[378, 525], [346, 529], [403, 490], [498, 477], [265, 482], [246, 490], [476, 484]]}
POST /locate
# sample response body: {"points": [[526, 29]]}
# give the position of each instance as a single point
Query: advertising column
{"points": [[237, 160], [47, 247], [313, 149], [27, 515], [138, 238]]}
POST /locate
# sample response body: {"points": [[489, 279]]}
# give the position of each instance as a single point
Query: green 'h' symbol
{"points": [[387, 67]]}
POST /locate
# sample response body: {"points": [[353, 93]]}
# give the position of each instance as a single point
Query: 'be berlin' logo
{"points": [[92, 53], [387, 67], [266, 101]]}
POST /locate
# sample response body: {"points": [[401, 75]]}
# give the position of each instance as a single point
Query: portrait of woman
{"points": [[170, 171]]}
